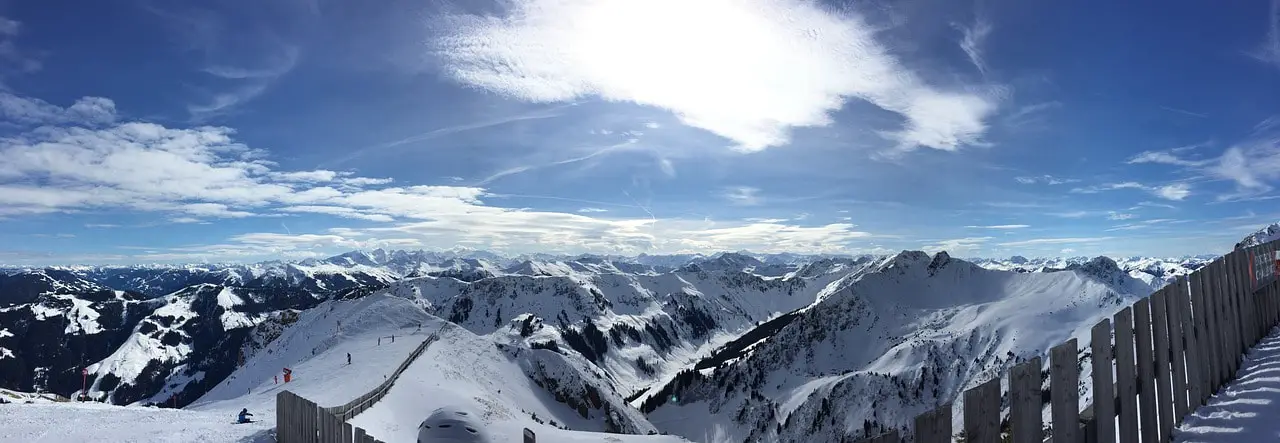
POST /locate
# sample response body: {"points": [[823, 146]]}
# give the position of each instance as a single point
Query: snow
{"points": [[326, 378], [462, 369], [63, 422], [4, 332], [1246, 409]]}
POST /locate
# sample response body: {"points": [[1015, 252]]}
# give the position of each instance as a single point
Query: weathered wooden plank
{"points": [[1217, 298], [1164, 377], [1104, 405], [1147, 416], [358, 435], [1196, 362], [283, 415], [1126, 376], [1185, 378], [982, 413], [1064, 397], [1233, 319], [934, 426], [1026, 402], [346, 432]]}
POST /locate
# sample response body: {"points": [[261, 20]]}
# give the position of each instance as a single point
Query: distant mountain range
{"points": [[749, 347]]}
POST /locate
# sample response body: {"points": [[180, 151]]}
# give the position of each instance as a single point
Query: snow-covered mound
{"points": [[881, 347]]}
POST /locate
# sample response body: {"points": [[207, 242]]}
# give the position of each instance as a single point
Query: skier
{"points": [[452, 425], [244, 416], [348, 358]]}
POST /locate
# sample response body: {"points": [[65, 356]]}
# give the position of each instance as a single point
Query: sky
{"points": [[141, 131]]}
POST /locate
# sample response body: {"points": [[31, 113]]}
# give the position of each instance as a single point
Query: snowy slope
{"points": [[882, 347], [1264, 235], [513, 388], [324, 376]]}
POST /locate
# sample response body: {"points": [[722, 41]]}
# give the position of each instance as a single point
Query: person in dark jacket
{"points": [[244, 416], [348, 358]]}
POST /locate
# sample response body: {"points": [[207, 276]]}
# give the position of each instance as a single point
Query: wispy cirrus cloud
{"points": [[999, 227], [241, 51], [749, 71], [1044, 179], [1252, 164], [742, 195], [966, 245], [1174, 191], [1269, 50], [972, 37], [1054, 241], [16, 60]]}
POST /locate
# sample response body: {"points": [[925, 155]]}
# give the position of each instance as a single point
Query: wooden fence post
{"points": [[1185, 377], [1104, 404], [1147, 418], [982, 413], [1217, 300], [935, 426], [1164, 379], [1064, 378], [1126, 376], [1026, 402]]}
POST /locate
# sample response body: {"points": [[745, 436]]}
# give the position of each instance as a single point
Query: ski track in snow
{"points": [[1246, 410]]}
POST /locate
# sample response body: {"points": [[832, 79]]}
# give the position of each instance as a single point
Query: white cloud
{"points": [[33, 111], [1144, 224], [1120, 216], [216, 210], [1054, 241], [1163, 157], [747, 70], [1045, 179], [202, 174], [1175, 192], [1269, 51], [588, 210], [742, 195], [971, 42], [305, 176], [965, 245], [1000, 227]]}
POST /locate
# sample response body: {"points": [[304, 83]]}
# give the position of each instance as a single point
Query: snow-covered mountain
{"points": [[1264, 235], [1157, 272], [723, 347]]}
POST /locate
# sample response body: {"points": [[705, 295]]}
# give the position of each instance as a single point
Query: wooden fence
{"points": [[302, 421], [1153, 363]]}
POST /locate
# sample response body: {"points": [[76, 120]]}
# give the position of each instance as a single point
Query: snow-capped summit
{"points": [[1264, 235]]}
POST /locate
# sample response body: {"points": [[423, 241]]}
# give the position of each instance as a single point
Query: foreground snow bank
{"points": [[97, 422], [1246, 409]]}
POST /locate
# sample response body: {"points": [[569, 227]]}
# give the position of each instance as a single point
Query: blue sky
{"points": [[162, 131]]}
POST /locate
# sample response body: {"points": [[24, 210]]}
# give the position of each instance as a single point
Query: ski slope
{"points": [[325, 377], [1246, 409], [97, 422], [470, 371]]}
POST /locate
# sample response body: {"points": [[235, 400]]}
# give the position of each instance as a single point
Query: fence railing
{"points": [[301, 420], [1153, 363]]}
